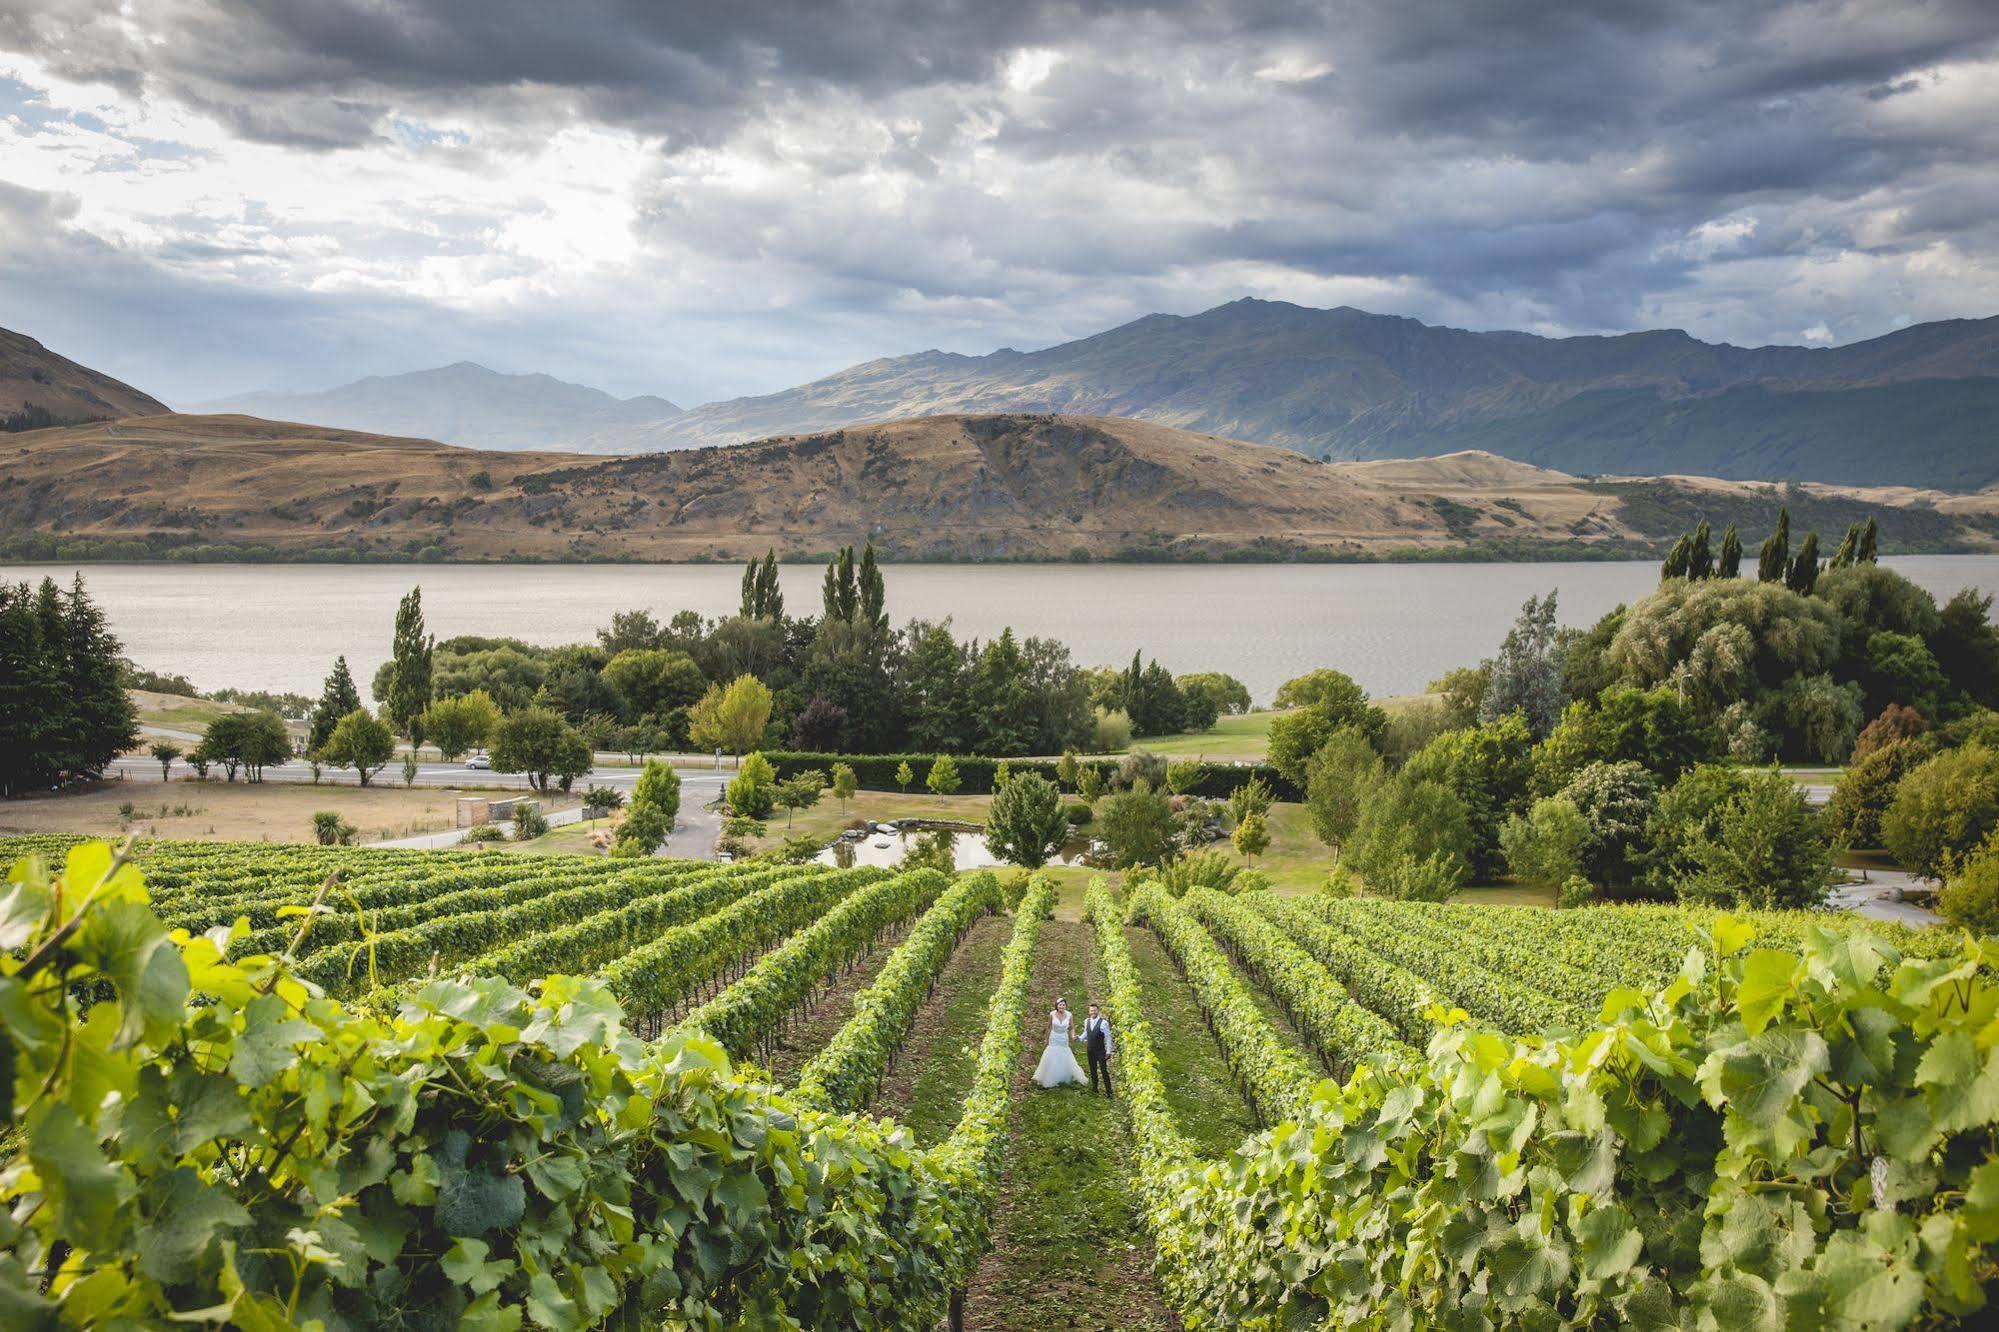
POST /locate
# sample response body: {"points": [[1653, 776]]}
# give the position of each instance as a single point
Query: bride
{"points": [[1058, 1063]]}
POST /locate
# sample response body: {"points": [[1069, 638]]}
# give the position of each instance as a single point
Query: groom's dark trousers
{"points": [[1100, 1059]]}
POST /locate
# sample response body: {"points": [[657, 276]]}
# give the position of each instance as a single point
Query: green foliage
{"points": [[1251, 797], [64, 712], [1650, 727], [1618, 802], [752, 792], [1942, 809], [1197, 869], [936, 850], [1412, 835], [247, 740], [1638, 1153], [460, 724], [1026, 824], [1110, 731], [529, 821], [1525, 676], [1136, 827], [1867, 788], [1223, 694], [904, 774], [1970, 896], [800, 791], [1823, 715], [1547, 844], [655, 806], [1766, 848], [654, 680], [882, 772], [733, 719], [538, 742], [1182, 775], [1338, 780], [1326, 700], [360, 742], [943, 778], [410, 662], [845, 784], [338, 698], [606, 799], [1251, 836], [1490, 768], [494, 1157], [165, 752], [330, 829]]}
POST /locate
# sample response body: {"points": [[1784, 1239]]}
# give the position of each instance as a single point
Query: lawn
{"points": [[825, 820], [572, 839], [1245, 736], [234, 811]]}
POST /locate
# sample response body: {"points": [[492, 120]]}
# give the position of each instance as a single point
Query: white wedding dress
{"points": [[1058, 1063]]}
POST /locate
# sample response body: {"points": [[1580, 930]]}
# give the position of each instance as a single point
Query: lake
{"points": [[1393, 627]]}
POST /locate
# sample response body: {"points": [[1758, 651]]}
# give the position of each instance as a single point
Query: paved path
{"points": [[1880, 898], [694, 835]]}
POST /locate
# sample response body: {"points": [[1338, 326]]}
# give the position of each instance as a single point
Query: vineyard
{"points": [[374, 1087]]}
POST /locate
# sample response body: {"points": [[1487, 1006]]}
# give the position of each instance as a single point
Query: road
{"points": [[694, 835]]}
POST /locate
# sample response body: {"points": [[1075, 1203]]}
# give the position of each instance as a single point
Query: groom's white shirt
{"points": [[1102, 1024]]}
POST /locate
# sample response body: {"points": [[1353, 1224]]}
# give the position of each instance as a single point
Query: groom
{"points": [[1097, 1041]]}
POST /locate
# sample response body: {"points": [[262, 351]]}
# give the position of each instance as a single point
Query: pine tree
{"points": [[1700, 554], [1870, 543], [1730, 563], [1803, 575], [409, 672], [106, 723], [1774, 560], [337, 698], [64, 712]]}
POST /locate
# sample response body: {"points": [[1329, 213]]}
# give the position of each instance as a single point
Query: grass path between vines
{"points": [[926, 1088], [1206, 1104], [829, 1008], [1070, 1250]]}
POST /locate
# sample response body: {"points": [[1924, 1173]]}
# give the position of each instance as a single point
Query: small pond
{"points": [[968, 849]]}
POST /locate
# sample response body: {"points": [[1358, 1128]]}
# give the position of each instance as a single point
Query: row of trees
{"points": [[1692, 557]]}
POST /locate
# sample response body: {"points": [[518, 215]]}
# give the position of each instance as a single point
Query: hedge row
{"points": [[876, 772]]}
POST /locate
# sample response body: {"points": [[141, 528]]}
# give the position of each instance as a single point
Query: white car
{"points": [[479, 762]]}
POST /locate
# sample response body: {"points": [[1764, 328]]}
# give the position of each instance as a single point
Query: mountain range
{"points": [[470, 405], [1005, 486], [1917, 406]]}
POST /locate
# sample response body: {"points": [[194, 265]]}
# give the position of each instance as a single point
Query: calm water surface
{"points": [[1393, 627]]}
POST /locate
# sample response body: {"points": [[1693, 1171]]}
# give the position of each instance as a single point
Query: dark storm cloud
{"points": [[836, 179]]}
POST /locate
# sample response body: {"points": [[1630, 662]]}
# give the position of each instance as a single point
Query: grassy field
{"points": [[825, 820], [235, 811], [573, 839], [1246, 737], [177, 712]]}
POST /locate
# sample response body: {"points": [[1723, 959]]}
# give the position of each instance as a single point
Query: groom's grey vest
{"points": [[1094, 1042]]}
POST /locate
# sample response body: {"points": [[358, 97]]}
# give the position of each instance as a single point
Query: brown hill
{"points": [[947, 487], [39, 388]]}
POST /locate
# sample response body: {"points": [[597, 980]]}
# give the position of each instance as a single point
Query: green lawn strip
{"points": [[926, 1088], [808, 1029], [1069, 1247], [1281, 1020], [1207, 1106]]}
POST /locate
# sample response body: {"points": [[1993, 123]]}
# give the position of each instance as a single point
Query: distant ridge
{"points": [[992, 487], [468, 404], [1919, 406], [39, 388]]}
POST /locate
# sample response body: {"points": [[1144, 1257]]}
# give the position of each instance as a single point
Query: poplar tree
{"points": [[409, 669], [1774, 560], [1730, 563]]}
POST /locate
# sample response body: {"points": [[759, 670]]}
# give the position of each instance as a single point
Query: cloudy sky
{"points": [[714, 197]]}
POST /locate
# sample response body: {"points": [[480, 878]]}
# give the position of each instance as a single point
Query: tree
{"points": [[1491, 769], [752, 794], [1526, 675], [1618, 802], [1067, 770], [1803, 575], [1136, 826], [655, 805], [733, 719], [1463, 691], [1823, 714], [249, 740], [761, 598], [1870, 543], [1332, 700], [360, 742], [1182, 775], [904, 775], [458, 725], [1251, 797], [64, 712], [800, 791], [1339, 779], [1849, 546], [1867, 789], [538, 742], [409, 669], [1897, 721], [1090, 784], [337, 698], [1651, 727], [1546, 844], [1251, 837], [1226, 694], [1730, 563], [1025, 825], [651, 680], [820, 724], [1773, 560], [632, 629], [410, 767], [1002, 774], [845, 783], [1407, 829], [1768, 850], [1944, 808], [166, 751], [943, 779]]}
